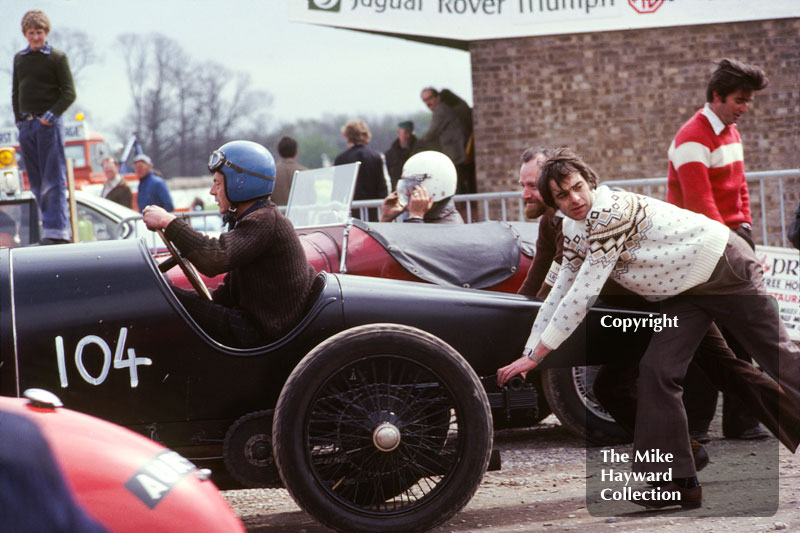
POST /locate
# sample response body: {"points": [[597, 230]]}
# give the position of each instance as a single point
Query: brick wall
{"points": [[618, 98]]}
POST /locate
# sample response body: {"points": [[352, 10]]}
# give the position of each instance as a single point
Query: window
{"points": [[77, 154]]}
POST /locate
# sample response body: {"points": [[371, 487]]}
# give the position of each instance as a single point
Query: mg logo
{"points": [[326, 5], [645, 6]]}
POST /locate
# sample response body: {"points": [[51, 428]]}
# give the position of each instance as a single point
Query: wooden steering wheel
{"points": [[188, 269]]}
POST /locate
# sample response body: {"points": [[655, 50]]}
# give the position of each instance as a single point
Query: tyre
{"points": [[382, 427], [569, 395]]}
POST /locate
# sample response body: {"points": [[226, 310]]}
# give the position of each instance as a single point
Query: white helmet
{"points": [[432, 169]]}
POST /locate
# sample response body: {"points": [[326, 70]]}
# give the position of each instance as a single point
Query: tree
{"points": [[183, 109], [79, 48], [321, 139]]}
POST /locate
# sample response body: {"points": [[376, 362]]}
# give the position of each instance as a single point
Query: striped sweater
{"points": [[706, 170], [648, 246]]}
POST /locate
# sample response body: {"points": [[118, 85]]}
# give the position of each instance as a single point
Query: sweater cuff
{"points": [[552, 337], [49, 116]]}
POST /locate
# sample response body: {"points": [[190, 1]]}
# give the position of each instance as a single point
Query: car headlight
{"points": [[9, 175]]}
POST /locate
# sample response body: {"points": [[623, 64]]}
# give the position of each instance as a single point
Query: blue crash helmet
{"points": [[248, 167]]}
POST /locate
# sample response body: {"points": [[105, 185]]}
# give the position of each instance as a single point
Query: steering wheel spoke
{"points": [[188, 268]]}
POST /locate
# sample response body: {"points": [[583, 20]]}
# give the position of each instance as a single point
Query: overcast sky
{"points": [[309, 70]]}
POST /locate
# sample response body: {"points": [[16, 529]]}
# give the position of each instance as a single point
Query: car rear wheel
{"points": [[247, 451], [382, 427], [569, 394]]}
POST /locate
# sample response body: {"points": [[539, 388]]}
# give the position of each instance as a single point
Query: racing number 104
{"points": [[122, 359]]}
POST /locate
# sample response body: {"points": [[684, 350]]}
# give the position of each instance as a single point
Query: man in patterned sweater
{"points": [[696, 268], [268, 280], [706, 175]]}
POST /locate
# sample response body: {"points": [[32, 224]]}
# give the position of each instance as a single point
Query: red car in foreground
{"points": [[123, 480]]}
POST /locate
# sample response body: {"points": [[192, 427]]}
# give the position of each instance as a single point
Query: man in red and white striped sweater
{"points": [[706, 175], [706, 160]]}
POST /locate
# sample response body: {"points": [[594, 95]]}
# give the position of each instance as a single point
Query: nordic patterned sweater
{"points": [[648, 246], [706, 170], [267, 272]]}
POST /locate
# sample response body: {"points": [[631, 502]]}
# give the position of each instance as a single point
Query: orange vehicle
{"points": [[86, 148]]}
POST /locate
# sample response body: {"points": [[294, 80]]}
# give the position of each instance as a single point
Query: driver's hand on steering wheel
{"points": [[155, 217]]}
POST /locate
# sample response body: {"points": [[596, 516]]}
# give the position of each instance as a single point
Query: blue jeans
{"points": [[43, 151]]}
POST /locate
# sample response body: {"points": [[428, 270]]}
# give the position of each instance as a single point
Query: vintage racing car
{"points": [[123, 480], [492, 256], [380, 396]]}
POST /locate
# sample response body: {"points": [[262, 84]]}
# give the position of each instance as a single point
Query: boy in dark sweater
{"points": [[42, 90]]}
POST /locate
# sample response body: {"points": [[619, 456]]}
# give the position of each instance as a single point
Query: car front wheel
{"points": [[382, 427]]}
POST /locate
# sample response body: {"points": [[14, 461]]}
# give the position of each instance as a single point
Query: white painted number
{"points": [[131, 362]]}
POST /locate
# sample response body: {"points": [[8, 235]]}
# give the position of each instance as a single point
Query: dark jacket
{"points": [[284, 174], [371, 183], [41, 82], [549, 248], [396, 157], [446, 134], [121, 194], [442, 212]]}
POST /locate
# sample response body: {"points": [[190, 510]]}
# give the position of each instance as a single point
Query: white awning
{"points": [[472, 20]]}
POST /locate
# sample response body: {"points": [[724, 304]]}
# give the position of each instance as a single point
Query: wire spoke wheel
{"points": [[382, 428], [569, 392], [383, 434]]}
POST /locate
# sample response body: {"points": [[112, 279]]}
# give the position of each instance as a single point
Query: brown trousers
{"points": [[733, 297]]}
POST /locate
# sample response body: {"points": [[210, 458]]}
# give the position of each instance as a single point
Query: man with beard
{"points": [[547, 260]]}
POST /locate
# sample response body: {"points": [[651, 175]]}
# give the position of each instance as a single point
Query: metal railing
{"points": [[498, 205], [508, 206]]}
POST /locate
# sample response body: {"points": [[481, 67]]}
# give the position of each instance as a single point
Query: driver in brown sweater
{"points": [[268, 279]]}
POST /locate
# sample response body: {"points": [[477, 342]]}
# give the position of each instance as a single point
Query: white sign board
{"points": [[73, 131], [469, 20], [782, 280]]}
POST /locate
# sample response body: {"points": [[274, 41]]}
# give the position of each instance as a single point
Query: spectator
{"points": [[549, 243], [152, 188], [115, 187], [42, 90], [706, 175], [400, 151], [285, 169], [425, 189], [449, 132], [372, 181]]}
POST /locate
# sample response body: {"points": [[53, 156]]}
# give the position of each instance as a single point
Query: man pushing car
{"points": [[268, 279], [695, 267]]}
